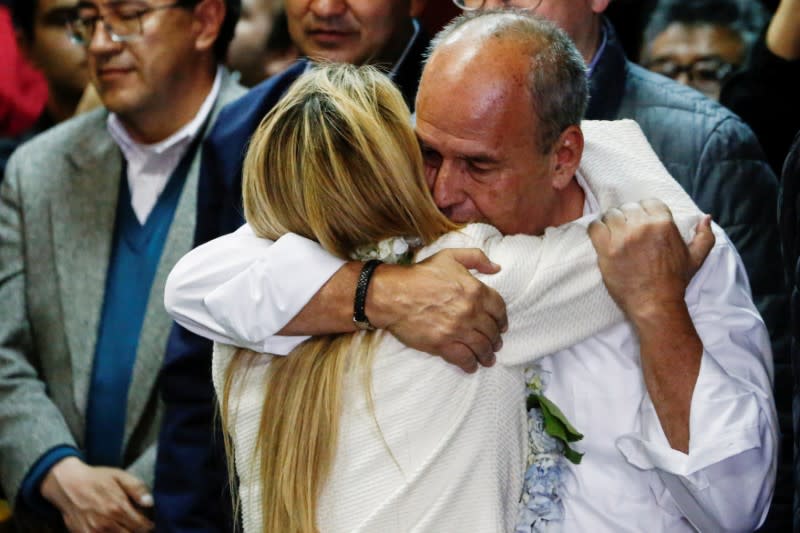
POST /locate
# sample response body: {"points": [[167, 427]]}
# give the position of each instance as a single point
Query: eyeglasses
{"points": [[703, 71], [122, 20], [473, 5]]}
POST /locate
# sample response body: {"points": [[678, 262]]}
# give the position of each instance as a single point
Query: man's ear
{"points": [[566, 154], [208, 17], [417, 7]]}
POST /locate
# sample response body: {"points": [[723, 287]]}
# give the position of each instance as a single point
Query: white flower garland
{"points": [[546, 464], [394, 250]]}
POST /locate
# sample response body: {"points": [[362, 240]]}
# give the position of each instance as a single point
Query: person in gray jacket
{"points": [[93, 215], [715, 157]]}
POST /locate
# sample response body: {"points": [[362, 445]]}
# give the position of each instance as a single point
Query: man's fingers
{"points": [[494, 304], [634, 213], [481, 346], [135, 488], [460, 355], [613, 218], [474, 259], [136, 491], [656, 208], [701, 244], [128, 517], [599, 234]]}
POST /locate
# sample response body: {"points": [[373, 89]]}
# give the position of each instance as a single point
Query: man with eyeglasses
{"points": [[93, 214], [712, 154], [42, 37], [702, 42]]}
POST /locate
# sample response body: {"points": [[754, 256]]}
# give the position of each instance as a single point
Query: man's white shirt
{"points": [[149, 166]]}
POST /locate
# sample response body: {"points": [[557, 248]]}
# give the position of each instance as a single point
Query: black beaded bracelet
{"points": [[359, 315]]}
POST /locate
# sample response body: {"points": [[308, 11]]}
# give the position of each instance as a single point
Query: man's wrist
{"points": [[383, 303], [360, 318], [653, 315], [51, 487], [30, 491]]}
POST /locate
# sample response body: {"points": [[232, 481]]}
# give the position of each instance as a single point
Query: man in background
{"points": [[701, 43], [42, 37], [93, 214], [261, 46]]}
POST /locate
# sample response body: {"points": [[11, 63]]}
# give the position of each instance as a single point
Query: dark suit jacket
{"points": [[789, 210], [718, 161], [191, 474]]}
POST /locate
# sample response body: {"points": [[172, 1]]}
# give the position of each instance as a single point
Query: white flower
{"points": [[392, 250], [385, 249], [399, 246], [540, 502]]}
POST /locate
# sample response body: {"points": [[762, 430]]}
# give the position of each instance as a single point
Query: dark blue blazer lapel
{"points": [[220, 181]]}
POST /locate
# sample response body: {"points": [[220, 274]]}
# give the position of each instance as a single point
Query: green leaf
{"points": [[556, 425], [555, 419], [572, 456]]}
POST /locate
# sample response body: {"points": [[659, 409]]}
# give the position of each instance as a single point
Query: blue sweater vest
{"points": [[136, 251]]}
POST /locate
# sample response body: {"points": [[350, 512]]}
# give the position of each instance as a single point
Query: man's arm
{"points": [[243, 290], [783, 34], [647, 269], [32, 429], [25, 408], [714, 443]]}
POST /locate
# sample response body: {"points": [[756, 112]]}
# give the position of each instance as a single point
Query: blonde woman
{"points": [[356, 432]]}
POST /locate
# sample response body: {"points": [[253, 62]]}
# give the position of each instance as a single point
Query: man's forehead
{"points": [[460, 132]]}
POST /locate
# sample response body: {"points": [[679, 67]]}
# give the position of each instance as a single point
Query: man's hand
{"points": [[643, 258], [96, 498], [646, 267], [438, 307]]}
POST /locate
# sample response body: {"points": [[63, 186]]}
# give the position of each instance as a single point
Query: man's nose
{"points": [[447, 185], [683, 77], [101, 41], [328, 8]]}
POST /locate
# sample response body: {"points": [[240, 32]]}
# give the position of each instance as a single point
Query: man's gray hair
{"points": [[557, 80]]}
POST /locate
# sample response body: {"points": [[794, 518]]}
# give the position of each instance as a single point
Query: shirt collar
{"points": [[181, 137], [410, 44], [590, 203], [600, 49]]}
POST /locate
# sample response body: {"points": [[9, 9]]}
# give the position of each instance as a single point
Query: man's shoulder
{"points": [[647, 90], [43, 154], [239, 118], [690, 132], [230, 90]]}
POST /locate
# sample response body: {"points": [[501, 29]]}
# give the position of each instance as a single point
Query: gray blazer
{"points": [[57, 211]]}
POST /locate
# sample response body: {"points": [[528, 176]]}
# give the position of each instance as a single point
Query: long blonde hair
{"points": [[335, 161]]}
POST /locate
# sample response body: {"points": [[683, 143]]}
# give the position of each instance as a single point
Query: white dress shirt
{"points": [[151, 165], [630, 478]]}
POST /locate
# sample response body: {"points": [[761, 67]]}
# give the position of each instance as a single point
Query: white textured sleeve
{"points": [[726, 481], [240, 289], [554, 293]]}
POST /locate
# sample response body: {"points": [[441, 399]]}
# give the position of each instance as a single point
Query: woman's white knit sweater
{"points": [[445, 450]]}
